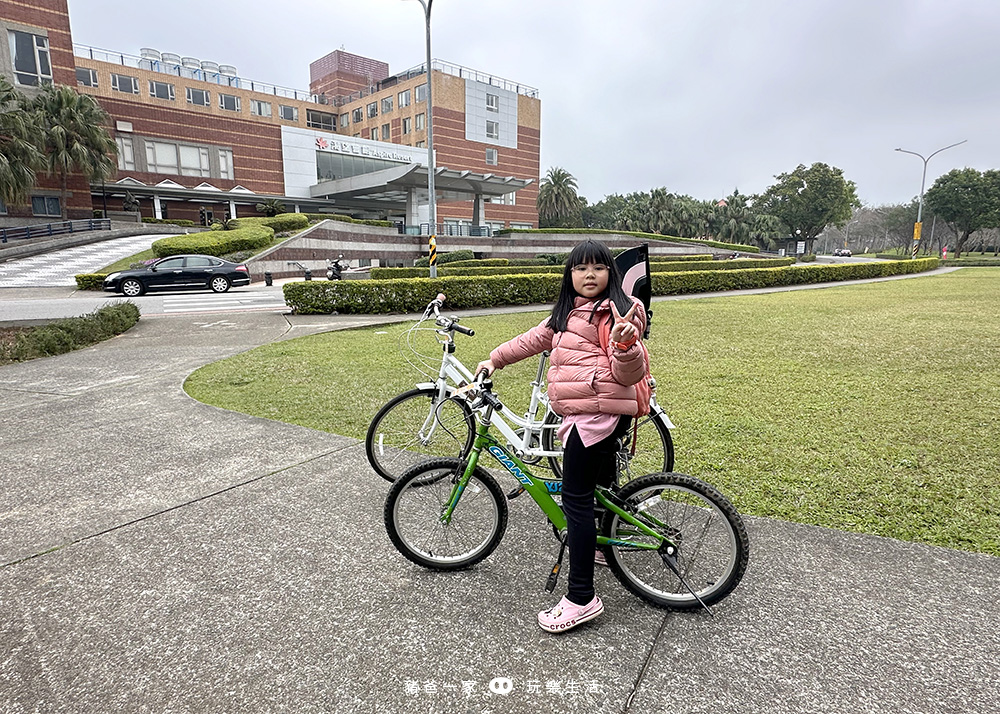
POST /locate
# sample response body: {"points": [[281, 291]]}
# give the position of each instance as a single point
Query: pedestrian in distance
{"points": [[593, 389]]}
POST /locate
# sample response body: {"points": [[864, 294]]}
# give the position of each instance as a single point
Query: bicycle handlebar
{"points": [[464, 330], [447, 323]]}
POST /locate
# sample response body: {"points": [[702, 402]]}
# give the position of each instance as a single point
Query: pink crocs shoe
{"points": [[567, 615]]}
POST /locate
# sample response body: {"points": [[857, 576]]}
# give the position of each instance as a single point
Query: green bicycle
{"points": [[671, 539]]}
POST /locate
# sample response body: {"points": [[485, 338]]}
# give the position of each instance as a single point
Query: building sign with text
{"points": [[374, 152]]}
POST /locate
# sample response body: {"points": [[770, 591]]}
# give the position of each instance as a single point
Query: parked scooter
{"points": [[334, 271]]}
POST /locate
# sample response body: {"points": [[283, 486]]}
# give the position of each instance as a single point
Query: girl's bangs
{"points": [[589, 252]]}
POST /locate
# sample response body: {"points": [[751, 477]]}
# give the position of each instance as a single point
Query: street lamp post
{"points": [[920, 205], [432, 207]]}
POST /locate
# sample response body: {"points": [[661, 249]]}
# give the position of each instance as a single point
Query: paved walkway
{"points": [[158, 554]]}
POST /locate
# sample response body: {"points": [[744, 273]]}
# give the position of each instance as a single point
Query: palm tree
{"points": [[558, 204], [19, 157], [271, 207], [76, 139]]}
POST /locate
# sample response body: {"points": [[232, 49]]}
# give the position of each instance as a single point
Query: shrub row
{"points": [[90, 281], [451, 270], [445, 258], [972, 262], [481, 263], [72, 333], [675, 258], [278, 223], [646, 236], [413, 294], [348, 219], [173, 221], [253, 237]]}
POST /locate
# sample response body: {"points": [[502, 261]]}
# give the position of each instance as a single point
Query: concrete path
{"points": [[162, 555]]}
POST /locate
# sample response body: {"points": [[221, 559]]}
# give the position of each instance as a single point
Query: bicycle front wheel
{"points": [[646, 448], [415, 426], [712, 544], [416, 502]]}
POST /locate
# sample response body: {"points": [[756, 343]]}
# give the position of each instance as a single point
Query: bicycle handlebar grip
{"points": [[464, 330]]}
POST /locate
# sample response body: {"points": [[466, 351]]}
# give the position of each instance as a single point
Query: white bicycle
{"points": [[434, 419]]}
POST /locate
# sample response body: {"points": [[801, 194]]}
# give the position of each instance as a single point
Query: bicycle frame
{"points": [[453, 369], [540, 490]]}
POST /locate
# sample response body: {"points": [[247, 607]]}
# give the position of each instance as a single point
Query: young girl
{"points": [[591, 388]]}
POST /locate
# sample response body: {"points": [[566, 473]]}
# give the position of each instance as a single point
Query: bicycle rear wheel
{"points": [[415, 426], [413, 515], [653, 447], [712, 544]]}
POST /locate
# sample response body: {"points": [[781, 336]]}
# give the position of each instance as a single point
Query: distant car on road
{"points": [[179, 272], [843, 252]]}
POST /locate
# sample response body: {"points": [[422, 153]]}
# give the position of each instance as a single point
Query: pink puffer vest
{"points": [[582, 378]]}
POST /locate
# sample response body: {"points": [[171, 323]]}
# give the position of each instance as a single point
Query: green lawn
{"points": [[872, 408]]}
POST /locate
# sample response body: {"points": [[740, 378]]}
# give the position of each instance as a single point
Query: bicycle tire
{"points": [[654, 448], [713, 546], [393, 444], [415, 502]]}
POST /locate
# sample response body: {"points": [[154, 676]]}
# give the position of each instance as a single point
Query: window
{"points": [[86, 77], [386, 105], [229, 102], [226, 164], [492, 103], [345, 119], [30, 56], [321, 120], [492, 157], [421, 124], [422, 92], [198, 97], [259, 108], [407, 125], [358, 115], [124, 83], [161, 90], [404, 99], [161, 158], [45, 206], [126, 153], [194, 161], [374, 134], [170, 264], [385, 132], [492, 129], [288, 113], [372, 110]]}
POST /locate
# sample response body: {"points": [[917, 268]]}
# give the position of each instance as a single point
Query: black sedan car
{"points": [[179, 272]]}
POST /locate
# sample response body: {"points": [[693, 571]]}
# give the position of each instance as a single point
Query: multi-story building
{"points": [[194, 134]]}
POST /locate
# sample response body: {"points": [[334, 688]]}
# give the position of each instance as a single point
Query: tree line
{"points": [[59, 132], [815, 204]]}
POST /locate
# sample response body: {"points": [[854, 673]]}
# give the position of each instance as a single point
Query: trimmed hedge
{"points": [[177, 222], [445, 258], [72, 333], [482, 263], [90, 281], [413, 294], [675, 258], [278, 223], [348, 219], [216, 243], [679, 266], [647, 236]]}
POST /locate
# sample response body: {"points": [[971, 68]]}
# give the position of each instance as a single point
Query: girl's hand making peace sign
{"points": [[624, 330]]}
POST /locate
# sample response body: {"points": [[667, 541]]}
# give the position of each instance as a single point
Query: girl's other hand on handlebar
{"points": [[485, 366]]}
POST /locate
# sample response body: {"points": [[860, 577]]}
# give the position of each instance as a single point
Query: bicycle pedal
{"points": [[550, 582], [515, 493]]}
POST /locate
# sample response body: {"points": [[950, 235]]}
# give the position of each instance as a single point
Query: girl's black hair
{"points": [[590, 251]]}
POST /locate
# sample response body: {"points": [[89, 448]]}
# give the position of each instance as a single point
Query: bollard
{"points": [[309, 274], [268, 279]]}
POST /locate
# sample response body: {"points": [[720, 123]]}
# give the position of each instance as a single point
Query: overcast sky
{"points": [[700, 96]]}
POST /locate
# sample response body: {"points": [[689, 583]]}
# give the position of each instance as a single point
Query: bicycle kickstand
{"points": [[550, 583], [669, 555]]}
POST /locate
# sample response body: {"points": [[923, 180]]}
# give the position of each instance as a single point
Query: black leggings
{"points": [[584, 467]]}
